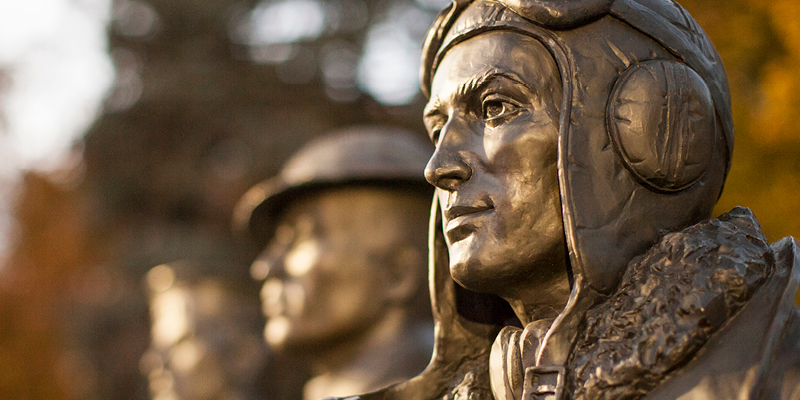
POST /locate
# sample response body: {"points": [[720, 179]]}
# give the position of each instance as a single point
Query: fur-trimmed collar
{"points": [[670, 301]]}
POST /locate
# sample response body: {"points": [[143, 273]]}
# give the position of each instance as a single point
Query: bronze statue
{"points": [[205, 341], [344, 266], [580, 148]]}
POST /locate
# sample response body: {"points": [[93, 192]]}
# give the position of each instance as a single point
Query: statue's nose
{"points": [[447, 174], [448, 167]]}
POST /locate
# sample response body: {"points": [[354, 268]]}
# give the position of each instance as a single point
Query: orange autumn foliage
{"points": [[759, 42]]}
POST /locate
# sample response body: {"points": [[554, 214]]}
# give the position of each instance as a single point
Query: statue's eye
{"points": [[493, 109], [497, 109]]}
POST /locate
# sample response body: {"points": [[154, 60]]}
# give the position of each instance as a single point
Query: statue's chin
{"points": [[480, 262], [283, 336], [467, 266], [504, 277], [478, 277]]}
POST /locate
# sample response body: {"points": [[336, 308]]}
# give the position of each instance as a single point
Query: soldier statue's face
{"points": [[493, 116], [328, 278]]}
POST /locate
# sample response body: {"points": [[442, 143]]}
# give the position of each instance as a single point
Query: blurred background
{"points": [[129, 128]]}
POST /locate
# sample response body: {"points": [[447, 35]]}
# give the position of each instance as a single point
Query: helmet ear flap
{"points": [[662, 124]]}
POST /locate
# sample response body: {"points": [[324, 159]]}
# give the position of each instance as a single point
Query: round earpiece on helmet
{"points": [[662, 122]]}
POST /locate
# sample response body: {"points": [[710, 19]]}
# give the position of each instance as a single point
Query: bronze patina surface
{"points": [[580, 148]]}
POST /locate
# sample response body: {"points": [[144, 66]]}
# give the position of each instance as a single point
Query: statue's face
{"points": [[203, 339], [493, 116], [326, 281]]}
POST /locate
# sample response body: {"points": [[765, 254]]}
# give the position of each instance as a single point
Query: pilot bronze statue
{"points": [[344, 232], [580, 148]]}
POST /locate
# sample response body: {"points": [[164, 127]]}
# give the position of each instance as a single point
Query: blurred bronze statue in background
{"points": [[580, 148], [205, 341], [344, 266]]}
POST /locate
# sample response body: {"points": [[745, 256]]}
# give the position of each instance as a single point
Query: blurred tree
{"points": [[37, 363], [210, 97]]}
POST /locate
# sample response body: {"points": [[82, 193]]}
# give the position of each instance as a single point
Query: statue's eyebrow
{"points": [[471, 85], [432, 108], [478, 82]]}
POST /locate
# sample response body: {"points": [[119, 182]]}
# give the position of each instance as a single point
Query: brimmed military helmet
{"points": [[645, 134], [368, 155]]}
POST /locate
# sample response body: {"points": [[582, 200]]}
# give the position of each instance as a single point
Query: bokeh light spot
{"points": [[160, 278], [286, 21], [389, 66]]}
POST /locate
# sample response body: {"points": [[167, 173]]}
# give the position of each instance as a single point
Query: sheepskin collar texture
{"points": [[671, 300]]}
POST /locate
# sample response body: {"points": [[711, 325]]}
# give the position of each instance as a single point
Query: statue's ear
{"points": [[662, 123], [406, 272]]}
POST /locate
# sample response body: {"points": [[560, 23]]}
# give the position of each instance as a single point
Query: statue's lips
{"points": [[460, 220]]}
